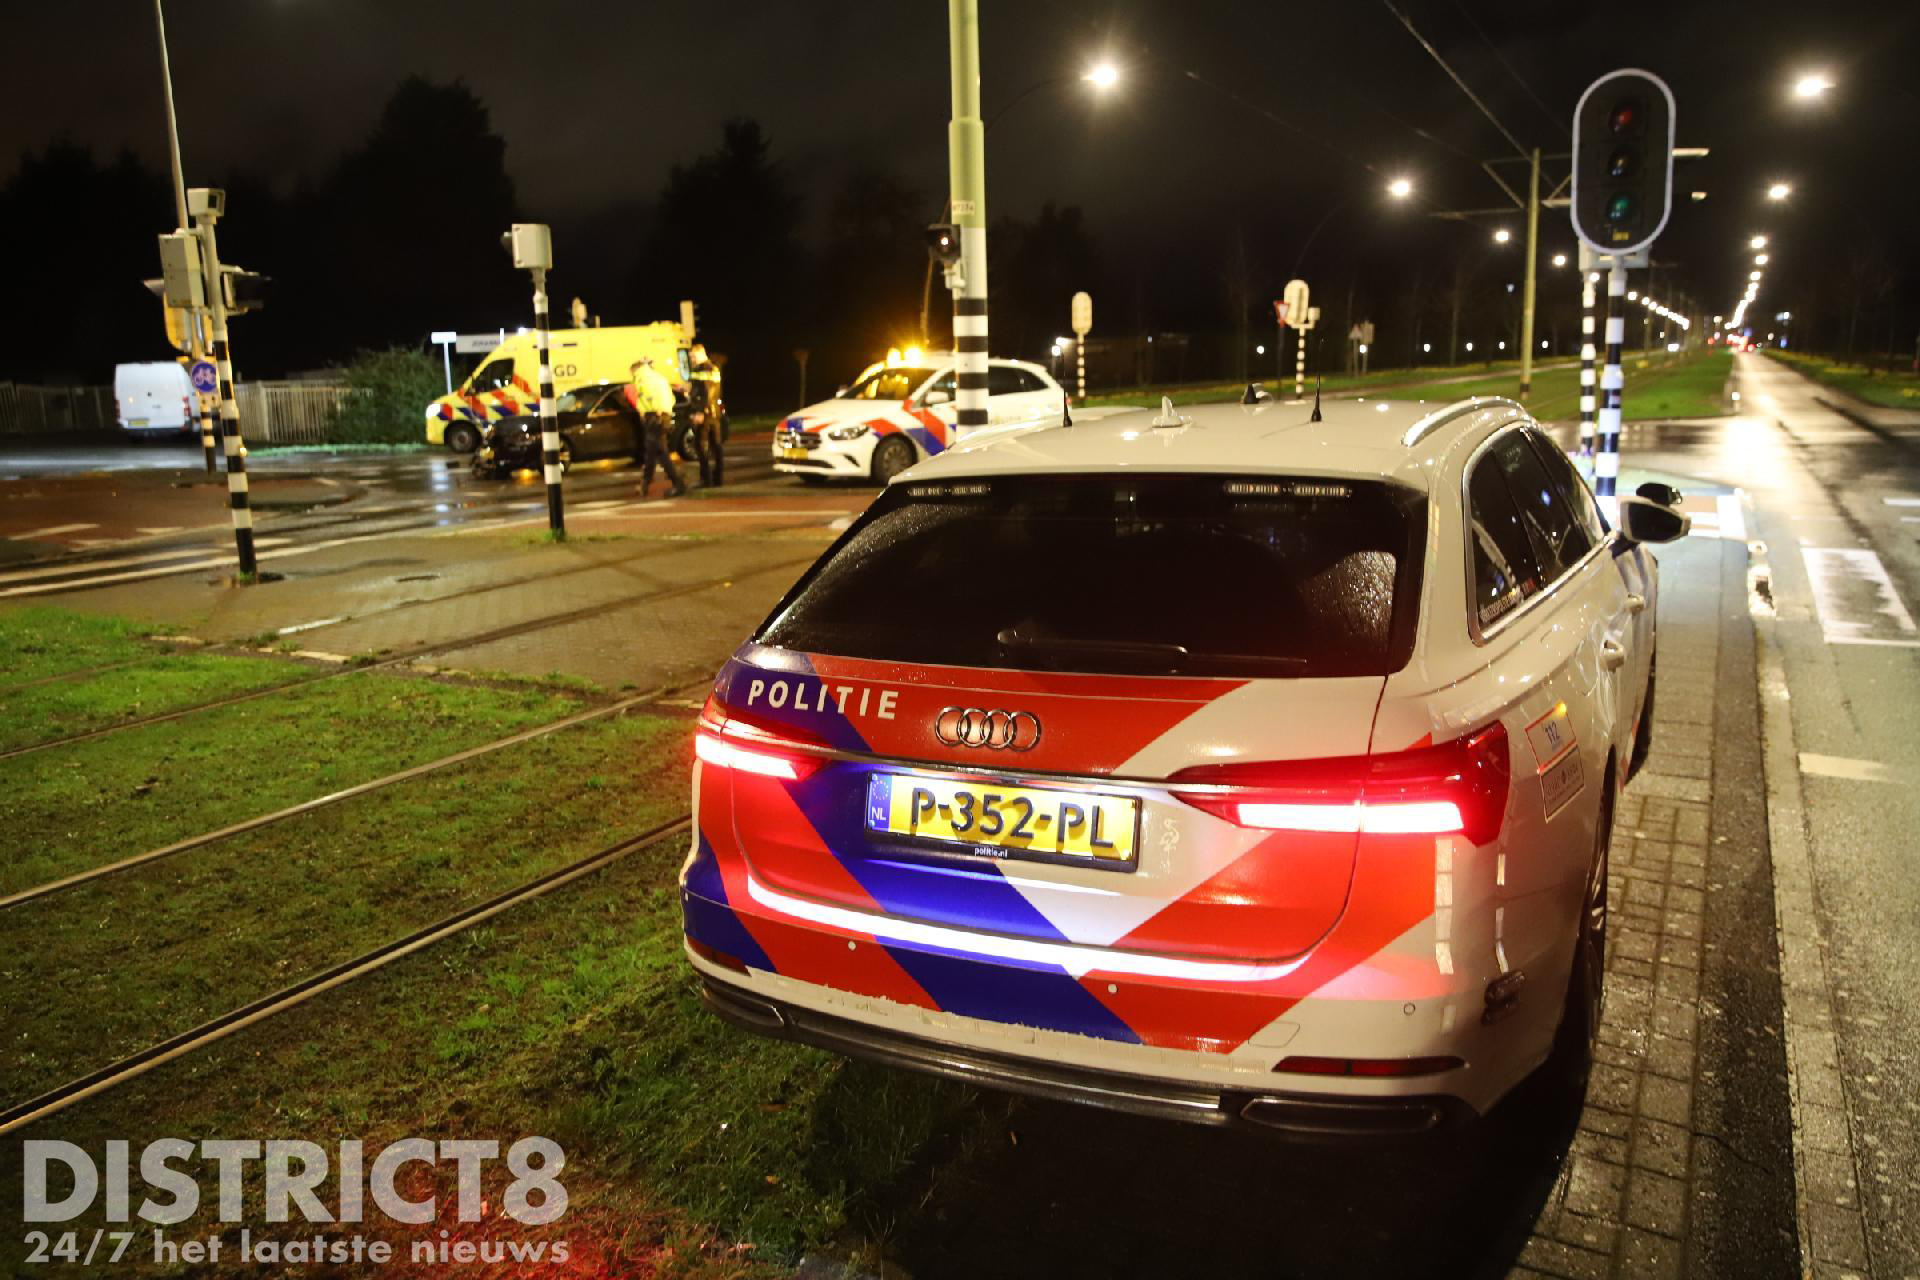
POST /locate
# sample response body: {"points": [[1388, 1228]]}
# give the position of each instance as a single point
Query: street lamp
{"points": [[1760, 259], [1779, 191], [1758, 242], [1559, 259], [1102, 75], [1811, 86], [1502, 236], [1400, 188]]}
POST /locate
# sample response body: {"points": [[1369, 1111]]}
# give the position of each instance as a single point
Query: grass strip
{"points": [[214, 928], [79, 806], [41, 641], [151, 686], [692, 1149], [1893, 389]]}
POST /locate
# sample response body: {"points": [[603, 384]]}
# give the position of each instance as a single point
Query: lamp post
{"points": [[1102, 76]]}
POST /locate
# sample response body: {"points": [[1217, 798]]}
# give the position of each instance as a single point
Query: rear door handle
{"points": [[1636, 604], [1613, 654]]}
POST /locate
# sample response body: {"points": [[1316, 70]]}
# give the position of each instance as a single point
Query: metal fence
{"points": [[31, 411], [289, 412]]}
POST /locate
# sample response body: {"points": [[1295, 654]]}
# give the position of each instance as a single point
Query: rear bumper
{"points": [[1306, 1117]]}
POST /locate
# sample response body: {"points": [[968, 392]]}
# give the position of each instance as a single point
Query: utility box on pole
{"points": [[183, 281]]}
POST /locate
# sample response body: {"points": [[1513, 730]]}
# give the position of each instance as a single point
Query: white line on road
{"points": [[308, 626], [1733, 520], [54, 530], [1902, 502], [119, 562], [1845, 767], [1856, 599]]}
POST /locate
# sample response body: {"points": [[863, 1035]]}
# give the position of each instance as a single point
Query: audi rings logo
{"points": [[994, 730]]}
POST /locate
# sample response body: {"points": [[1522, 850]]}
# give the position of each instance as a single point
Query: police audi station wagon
{"points": [[1247, 767]]}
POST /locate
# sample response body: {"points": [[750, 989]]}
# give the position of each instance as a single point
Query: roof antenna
{"points": [[1066, 409], [1316, 399]]}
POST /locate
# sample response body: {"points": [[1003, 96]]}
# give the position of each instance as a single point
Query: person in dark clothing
{"points": [[704, 412]]}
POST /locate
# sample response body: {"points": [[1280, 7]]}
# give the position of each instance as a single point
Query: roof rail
{"points": [[1426, 426]]}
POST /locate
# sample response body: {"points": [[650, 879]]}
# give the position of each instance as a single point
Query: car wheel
{"points": [[462, 438], [893, 456], [1643, 736], [1579, 1032]]}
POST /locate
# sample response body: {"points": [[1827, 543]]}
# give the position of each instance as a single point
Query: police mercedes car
{"points": [[1249, 767], [902, 411]]}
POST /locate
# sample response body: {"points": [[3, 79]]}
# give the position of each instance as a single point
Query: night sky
{"points": [[596, 102]]}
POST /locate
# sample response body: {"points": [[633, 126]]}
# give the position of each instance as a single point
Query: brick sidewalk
{"points": [[1621, 1203]]}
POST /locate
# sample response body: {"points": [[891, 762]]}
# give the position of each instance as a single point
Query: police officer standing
{"points": [[653, 401], [703, 411]]}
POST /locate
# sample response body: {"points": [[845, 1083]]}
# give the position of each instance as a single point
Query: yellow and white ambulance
{"points": [[507, 382]]}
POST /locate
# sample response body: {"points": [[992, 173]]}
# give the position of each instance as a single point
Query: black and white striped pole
{"points": [[967, 177], [206, 205], [1588, 278], [1606, 459], [531, 245]]}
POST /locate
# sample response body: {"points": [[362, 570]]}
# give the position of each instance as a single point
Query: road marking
{"points": [[156, 530], [1845, 767], [55, 530], [119, 562], [1902, 502], [842, 523], [308, 626], [1856, 599], [1733, 519]]}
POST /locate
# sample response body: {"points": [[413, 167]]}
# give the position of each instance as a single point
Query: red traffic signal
{"points": [[1623, 161]]}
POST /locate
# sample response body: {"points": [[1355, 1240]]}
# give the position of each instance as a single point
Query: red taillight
{"points": [[726, 753], [729, 740], [1457, 787], [1374, 1067]]}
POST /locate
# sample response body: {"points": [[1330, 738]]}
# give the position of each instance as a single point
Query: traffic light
{"points": [[943, 243], [243, 291], [1622, 161]]}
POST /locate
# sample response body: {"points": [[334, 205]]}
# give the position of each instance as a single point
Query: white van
{"points": [[153, 399]]}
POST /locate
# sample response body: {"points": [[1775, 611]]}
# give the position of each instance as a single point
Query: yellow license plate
{"points": [[1005, 821], [794, 455]]}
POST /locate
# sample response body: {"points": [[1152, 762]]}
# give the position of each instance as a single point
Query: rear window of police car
{"points": [[1122, 574]]}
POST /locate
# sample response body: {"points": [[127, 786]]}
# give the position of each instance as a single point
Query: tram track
{"points": [[134, 1065], [414, 654]]}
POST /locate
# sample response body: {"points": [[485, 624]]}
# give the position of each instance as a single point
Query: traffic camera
{"points": [[1623, 161], [943, 243]]}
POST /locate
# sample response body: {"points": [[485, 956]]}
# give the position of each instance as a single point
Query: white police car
{"points": [[896, 414], [1240, 767]]}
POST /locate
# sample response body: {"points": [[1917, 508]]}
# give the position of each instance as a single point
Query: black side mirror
{"points": [[1664, 494], [1644, 520]]}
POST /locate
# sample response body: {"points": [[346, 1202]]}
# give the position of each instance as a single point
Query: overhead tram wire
{"points": [[1472, 97], [1559, 120]]}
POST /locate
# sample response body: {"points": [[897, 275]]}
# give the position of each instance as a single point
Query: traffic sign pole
{"points": [[549, 421], [967, 182], [1587, 280], [1606, 460], [206, 382], [238, 501], [1082, 325]]}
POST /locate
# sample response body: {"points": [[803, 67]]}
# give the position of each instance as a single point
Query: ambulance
{"points": [[507, 382]]}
